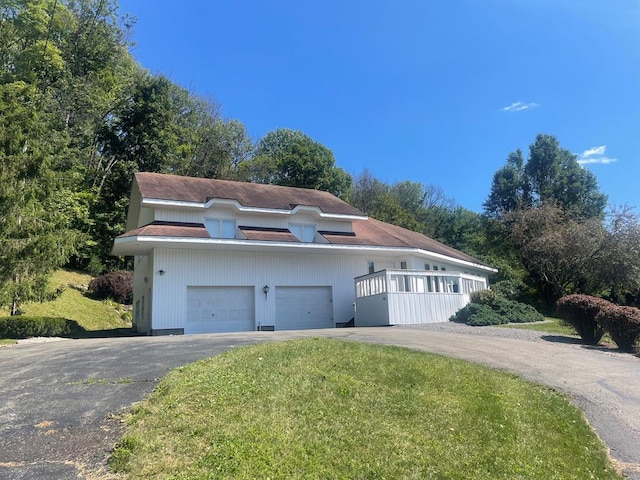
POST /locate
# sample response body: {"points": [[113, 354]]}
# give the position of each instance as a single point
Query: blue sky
{"points": [[436, 91]]}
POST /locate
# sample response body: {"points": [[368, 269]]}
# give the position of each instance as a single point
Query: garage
{"points": [[304, 307], [220, 309]]}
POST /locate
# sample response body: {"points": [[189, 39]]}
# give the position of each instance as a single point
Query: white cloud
{"points": [[595, 155], [519, 106]]}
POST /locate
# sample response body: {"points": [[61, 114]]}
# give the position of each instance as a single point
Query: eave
{"points": [[144, 245]]}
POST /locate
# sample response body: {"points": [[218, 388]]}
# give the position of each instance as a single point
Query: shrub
{"points": [[489, 308], [117, 286], [622, 323], [580, 312], [24, 327]]}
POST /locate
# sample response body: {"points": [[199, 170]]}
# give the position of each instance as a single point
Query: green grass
{"points": [[551, 325], [319, 408], [7, 341], [74, 305]]}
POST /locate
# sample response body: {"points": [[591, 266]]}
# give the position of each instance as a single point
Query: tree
{"points": [[562, 254], [509, 188], [41, 211], [551, 174], [291, 158]]}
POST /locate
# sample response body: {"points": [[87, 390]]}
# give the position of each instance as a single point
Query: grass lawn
{"points": [[7, 341], [74, 305], [319, 408], [551, 325]]}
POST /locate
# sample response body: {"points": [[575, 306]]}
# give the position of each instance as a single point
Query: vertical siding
{"points": [[372, 311], [240, 268], [408, 308], [142, 284]]}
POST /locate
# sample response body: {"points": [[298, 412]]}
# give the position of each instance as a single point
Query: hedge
{"points": [[580, 312], [20, 326], [622, 323]]}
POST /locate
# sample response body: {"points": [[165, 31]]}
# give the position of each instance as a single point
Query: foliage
{"points": [[490, 308], [117, 286], [550, 174], [19, 326], [622, 323], [315, 408], [74, 304], [580, 311], [291, 158]]}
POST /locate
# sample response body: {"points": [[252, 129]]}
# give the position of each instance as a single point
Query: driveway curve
{"points": [[60, 400]]}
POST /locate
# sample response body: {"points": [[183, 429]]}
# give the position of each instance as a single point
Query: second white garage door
{"points": [[220, 309], [303, 307]]}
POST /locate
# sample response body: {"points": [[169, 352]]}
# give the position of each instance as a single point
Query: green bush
{"points": [[580, 312], [622, 323], [489, 308], [24, 327]]}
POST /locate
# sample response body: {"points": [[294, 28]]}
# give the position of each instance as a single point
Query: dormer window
{"points": [[218, 228], [303, 231]]}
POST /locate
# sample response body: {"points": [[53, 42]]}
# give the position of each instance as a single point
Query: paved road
{"points": [[59, 400]]}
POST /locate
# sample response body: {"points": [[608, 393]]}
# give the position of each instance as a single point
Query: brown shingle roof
{"points": [[169, 229], [268, 234], [377, 233], [201, 190]]}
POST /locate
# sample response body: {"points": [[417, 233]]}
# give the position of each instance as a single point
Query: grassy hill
{"points": [[75, 304]]}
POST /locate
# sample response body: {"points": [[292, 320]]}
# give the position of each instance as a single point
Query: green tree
{"points": [[550, 174], [41, 210], [291, 158]]}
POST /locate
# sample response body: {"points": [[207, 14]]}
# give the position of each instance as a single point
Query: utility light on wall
{"points": [[265, 289], [160, 272]]}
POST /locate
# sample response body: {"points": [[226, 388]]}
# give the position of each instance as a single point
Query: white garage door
{"points": [[303, 307], [220, 309]]}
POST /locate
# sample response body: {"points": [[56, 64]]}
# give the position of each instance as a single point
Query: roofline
{"points": [[166, 241], [159, 202]]}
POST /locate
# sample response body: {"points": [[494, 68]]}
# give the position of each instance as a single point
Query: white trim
{"points": [[157, 202], [186, 242]]}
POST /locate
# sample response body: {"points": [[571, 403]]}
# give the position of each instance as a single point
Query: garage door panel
{"points": [[304, 307], [220, 309]]}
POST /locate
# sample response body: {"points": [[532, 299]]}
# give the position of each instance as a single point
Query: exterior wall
{"points": [[241, 268], [142, 292], [374, 312], [410, 308]]}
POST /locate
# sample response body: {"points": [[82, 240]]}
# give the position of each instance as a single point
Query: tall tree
{"points": [[291, 158], [551, 174], [40, 208]]}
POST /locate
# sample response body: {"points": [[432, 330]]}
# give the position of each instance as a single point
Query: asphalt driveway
{"points": [[60, 400]]}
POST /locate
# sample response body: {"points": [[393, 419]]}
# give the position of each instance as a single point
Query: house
{"points": [[222, 256]]}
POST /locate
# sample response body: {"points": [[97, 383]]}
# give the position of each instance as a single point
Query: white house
{"points": [[220, 256]]}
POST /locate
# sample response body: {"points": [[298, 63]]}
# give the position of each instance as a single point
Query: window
{"points": [[435, 267], [221, 228], [403, 265], [304, 232], [443, 268], [426, 266], [372, 267]]}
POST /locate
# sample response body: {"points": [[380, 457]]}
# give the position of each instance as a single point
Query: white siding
{"points": [[233, 268], [179, 215], [142, 287], [406, 308]]}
